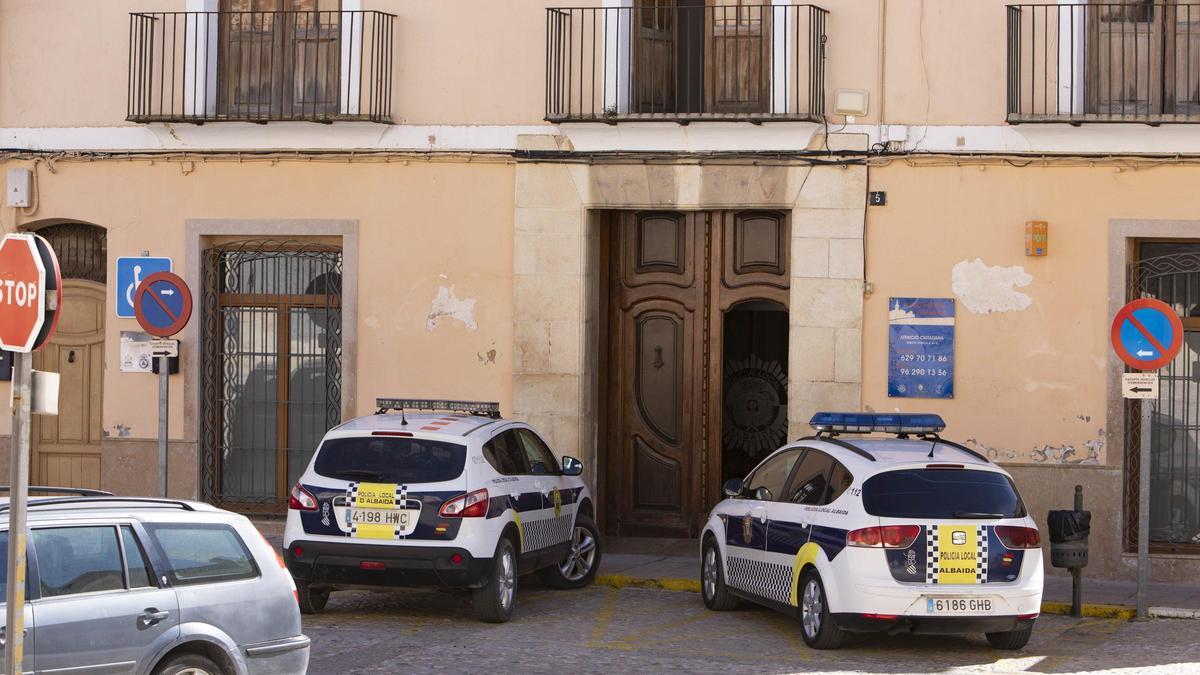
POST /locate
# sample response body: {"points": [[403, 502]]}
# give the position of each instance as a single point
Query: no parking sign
{"points": [[1147, 334]]}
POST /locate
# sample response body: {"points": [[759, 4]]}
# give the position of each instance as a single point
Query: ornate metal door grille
{"points": [[82, 250], [271, 366], [1171, 273]]}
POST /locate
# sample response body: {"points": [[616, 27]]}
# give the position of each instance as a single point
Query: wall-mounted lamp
{"points": [[851, 103], [1037, 237]]}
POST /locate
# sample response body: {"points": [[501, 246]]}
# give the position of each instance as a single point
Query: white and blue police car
{"points": [[903, 532], [454, 498]]}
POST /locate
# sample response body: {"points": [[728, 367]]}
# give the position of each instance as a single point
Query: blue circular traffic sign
{"points": [[162, 304], [1147, 334]]}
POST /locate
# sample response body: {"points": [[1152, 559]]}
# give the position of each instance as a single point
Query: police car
{"points": [[907, 532], [453, 498]]}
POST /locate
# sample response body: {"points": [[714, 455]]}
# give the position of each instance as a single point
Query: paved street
{"points": [[602, 629]]}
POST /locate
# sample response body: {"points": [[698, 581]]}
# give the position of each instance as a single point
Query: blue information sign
{"points": [[921, 347], [131, 272]]}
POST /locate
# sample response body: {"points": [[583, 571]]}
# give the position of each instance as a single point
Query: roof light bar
{"points": [[865, 423], [484, 408]]}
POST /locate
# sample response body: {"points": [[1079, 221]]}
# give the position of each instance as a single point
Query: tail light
{"points": [[278, 555], [886, 536], [302, 500], [1013, 536], [471, 505]]}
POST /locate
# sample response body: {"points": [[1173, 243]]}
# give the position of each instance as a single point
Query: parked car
{"points": [[912, 533], [459, 499], [154, 586]]}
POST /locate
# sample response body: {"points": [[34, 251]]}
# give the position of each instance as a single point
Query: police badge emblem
{"points": [[557, 496], [747, 529], [325, 514]]}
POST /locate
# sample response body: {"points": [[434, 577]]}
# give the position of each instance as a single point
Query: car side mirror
{"points": [[571, 466], [734, 487]]}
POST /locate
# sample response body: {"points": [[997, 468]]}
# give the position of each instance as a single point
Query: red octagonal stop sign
{"points": [[22, 293]]}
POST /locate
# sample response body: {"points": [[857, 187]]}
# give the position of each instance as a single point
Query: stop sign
{"points": [[26, 293]]}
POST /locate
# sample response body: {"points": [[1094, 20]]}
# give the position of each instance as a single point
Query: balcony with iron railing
{"points": [[315, 66], [681, 62], [1104, 62]]}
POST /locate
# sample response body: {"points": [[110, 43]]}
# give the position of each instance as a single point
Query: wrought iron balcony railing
{"points": [[685, 62], [316, 66], [1104, 62]]}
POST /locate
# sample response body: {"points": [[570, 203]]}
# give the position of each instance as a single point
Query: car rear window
{"points": [[942, 494], [390, 459], [203, 553]]}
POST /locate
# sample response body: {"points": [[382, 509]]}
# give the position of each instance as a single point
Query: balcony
{"points": [[680, 61], [314, 66], [1097, 62]]}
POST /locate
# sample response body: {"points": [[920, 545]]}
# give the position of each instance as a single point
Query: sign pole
{"points": [[164, 373], [14, 631], [1143, 542]]}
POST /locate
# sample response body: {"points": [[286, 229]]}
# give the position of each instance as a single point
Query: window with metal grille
{"points": [[271, 349]]}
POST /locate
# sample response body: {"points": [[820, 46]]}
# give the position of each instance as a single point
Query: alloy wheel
{"points": [[582, 556], [508, 579], [810, 608], [710, 573]]}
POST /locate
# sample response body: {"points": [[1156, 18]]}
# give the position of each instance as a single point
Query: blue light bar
{"points": [[865, 423]]}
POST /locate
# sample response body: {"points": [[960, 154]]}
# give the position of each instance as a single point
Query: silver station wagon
{"points": [[140, 585]]}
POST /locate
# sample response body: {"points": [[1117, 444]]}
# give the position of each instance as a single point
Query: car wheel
{"points": [[312, 598], [816, 626], [713, 590], [578, 568], [494, 601], [1013, 639], [188, 664]]}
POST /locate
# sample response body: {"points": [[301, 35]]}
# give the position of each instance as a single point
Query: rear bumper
{"points": [[278, 657], [860, 623], [338, 564]]}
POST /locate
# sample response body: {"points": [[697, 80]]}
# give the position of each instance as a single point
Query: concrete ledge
{"points": [[665, 584], [1095, 611]]}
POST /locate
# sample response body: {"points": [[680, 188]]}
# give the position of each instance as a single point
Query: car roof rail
{"points": [[830, 438], [149, 501], [82, 492], [938, 439]]}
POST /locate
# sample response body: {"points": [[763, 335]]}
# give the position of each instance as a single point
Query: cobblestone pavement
{"points": [[605, 630]]}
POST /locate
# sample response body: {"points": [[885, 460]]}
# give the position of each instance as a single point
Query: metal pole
{"points": [[1143, 543], [164, 368], [1077, 572], [14, 626]]}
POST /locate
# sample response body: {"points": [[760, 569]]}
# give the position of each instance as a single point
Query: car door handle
{"points": [[4, 634], [151, 617]]}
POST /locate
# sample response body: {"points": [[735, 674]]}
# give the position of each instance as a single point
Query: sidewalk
{"points": [[674, 564]]}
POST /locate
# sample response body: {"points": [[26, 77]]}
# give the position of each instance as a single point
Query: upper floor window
{"points": [[1116, 60], [261, 61], [685, 59]]}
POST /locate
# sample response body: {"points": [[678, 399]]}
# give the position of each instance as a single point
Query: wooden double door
{"points": [[280, 59], [672, 279], [693, 56]]}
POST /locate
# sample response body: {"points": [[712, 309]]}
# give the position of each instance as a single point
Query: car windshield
{"points": [[390, 459], [942, 494]]}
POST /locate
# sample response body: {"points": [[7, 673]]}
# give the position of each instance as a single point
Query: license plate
{"points": [[401, 518], [952, 606]]}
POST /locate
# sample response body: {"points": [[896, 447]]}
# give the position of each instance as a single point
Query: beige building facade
{"points": [[658, 231]]}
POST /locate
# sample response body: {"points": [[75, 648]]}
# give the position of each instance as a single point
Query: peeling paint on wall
{"points": [[487, 359], [984, 289], [447, 304], [1086, 453], [123, 431]]}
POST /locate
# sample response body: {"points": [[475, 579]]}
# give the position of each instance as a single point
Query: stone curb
{"points": [[1089, 610]]}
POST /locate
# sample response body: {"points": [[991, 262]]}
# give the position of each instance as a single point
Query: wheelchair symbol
{"points": [[137, 279]]}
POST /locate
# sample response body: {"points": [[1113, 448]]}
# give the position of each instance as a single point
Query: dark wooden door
{"points": [[279, 59], [654, 26], [670, 278], [737, 57]]}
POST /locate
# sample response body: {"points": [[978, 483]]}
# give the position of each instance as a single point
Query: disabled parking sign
{"points": [[131, 272], [1147, 334]]}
